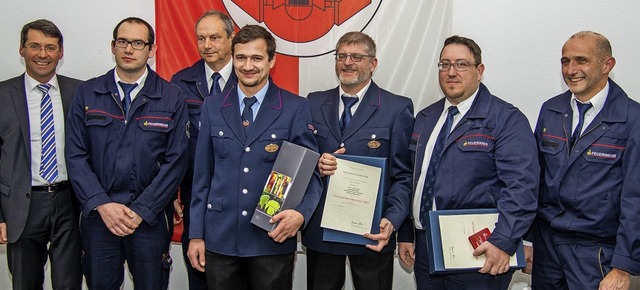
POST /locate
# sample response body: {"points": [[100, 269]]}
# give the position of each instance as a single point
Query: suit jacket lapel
{"points": [[66, 93], [19, 96], [370, 103], [230, 110], [269, 110], [430, 119], [330, 113]]}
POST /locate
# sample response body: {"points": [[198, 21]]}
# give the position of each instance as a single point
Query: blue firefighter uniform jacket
{"points": [[593, 189], [489, 161], [231, 169], [139, 160]]}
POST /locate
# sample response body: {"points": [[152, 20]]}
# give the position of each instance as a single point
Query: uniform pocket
{"points": [[215, 203], [221, 138], [155, 124], [271, 140], [5, 189], [376, 140], [551, 144], [603, 153]]}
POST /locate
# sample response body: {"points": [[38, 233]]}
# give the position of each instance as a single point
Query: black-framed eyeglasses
{"points": [[136, 44], [458, 65], [354, 57]]}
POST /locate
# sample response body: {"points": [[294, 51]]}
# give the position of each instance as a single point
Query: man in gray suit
{"points": [[37, 213]]}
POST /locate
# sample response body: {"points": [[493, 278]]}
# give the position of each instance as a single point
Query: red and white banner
{"points": [[409, 35]]}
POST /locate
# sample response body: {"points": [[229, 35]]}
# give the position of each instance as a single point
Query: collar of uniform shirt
{"points": [[225, 74], [135, 90], [360, 95], [259, 97], [597, 101], [463, 107]]}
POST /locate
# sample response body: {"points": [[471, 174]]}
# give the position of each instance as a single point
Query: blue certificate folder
{"points": [[434, 242], [330, 235]]}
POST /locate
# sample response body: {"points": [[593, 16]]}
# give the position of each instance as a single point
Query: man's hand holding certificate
{"points": [[351, 197]]}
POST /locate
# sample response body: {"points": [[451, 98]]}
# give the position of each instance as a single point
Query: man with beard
{"points": [[586, 231], [472, 150], [127, 148], [207, 77], [244, 128], [380, 126]]}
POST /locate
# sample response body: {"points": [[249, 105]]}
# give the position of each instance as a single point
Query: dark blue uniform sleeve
{"points": [[518, 168], [85, 183], [301, 135], [398, 202], [202, 174], [155, 197], [626, 255]]}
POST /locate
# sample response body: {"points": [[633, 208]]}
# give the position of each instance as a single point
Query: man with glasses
{"points": [[127, 147], [586, 232], [472, 150], [207, 77], [360, 118], [38, 214]]}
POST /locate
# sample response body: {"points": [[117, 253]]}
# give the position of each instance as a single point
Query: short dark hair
{"points": [[469, 43], [228, 22], [252, 32], [45, 26], [356, 37], [151, 35]]}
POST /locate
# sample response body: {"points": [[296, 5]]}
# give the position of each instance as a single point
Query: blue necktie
{"points": [[582, 110], [247, 113], [215, 87], [430, 178], [48, 156], [126, 101], [346, 114]]}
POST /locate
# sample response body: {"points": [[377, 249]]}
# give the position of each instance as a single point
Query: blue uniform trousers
{"points": [[568, 261], [146, 252]]}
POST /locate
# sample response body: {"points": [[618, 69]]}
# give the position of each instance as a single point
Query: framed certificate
{"points": [[453, 235], [355, 199]]}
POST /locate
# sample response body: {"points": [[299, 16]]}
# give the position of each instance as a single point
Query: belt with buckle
{"points": [[62, 185]]}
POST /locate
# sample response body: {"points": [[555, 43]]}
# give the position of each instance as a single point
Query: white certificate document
{"points": [[351, 197], [457, 251]]}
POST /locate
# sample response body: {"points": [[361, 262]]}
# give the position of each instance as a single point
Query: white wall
{"points": [[87, 27], [521, 42]]}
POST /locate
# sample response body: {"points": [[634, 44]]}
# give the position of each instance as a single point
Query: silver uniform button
{"points": [[245, 191], [341, 145], [209, 206], [273, 136], [220, 133], [245, 170], [244, 213], [373, 136], [247, 149]]}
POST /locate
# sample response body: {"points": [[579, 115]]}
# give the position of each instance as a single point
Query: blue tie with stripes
{"points": [[48, 156]]}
